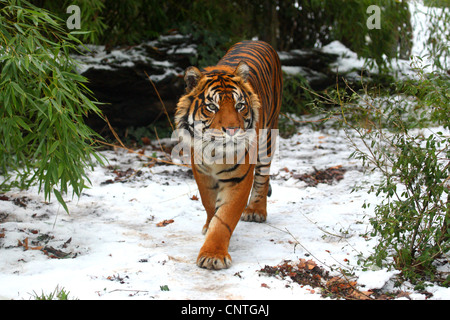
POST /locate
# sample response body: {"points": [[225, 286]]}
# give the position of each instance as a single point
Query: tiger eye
{"points": [[211, 107], [240, 106]]}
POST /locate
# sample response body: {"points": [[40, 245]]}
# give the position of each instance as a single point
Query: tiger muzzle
{"points": [[231, 131]]}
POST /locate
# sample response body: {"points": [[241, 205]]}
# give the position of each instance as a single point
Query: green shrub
{"points": [[297, 97], [412, 220], [390, 126], [439, 35], [43, 137]]}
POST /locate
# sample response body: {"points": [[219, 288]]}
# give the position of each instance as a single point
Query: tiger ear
{"points": [[191, 77], [242, 70]]}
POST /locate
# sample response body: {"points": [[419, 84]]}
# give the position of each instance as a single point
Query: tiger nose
{"points": [[231, 131]]}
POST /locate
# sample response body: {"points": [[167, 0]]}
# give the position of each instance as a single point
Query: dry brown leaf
{"points": [[310, 264], [360, 295], [306, 264], [403, 294], [164, 223], [25, 245], [335, 280], [194, 197], [146, 140], [54, 253], [301, 264]]}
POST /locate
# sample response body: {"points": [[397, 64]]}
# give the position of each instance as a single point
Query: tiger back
{"points": [[229, 114]]}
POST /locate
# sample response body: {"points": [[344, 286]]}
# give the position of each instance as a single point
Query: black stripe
{"points": [[226, 225], [236, 179], [229, 169]]}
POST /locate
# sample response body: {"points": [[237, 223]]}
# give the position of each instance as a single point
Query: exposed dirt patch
{"points": [[18, 201], [328, 176], [308, 273]]}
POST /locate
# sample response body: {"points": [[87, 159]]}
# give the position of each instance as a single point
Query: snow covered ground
{"points": [[113, 245], [116, 250]]}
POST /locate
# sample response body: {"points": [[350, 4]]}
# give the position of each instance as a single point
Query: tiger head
{"points": [[219, 106]]}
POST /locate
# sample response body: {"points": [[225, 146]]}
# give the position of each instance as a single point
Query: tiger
{"points": [[241, 94]]}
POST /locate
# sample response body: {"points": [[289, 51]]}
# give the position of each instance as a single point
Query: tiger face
{"points": [[219, 112]]}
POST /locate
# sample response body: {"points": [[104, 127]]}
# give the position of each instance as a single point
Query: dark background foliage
{"points": [[215, 24]]}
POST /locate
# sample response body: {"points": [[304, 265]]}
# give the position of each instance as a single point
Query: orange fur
{"points": [[241, 93]]}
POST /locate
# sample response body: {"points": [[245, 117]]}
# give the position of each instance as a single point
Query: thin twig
{"points": [[320, 96], [325, 231], [159, 97], [305, 121], [298, 242], [132, 290], [142, 155], [354, 288], [122, 146], [160, 146], [114, 133]]}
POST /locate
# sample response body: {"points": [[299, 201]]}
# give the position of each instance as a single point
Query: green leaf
{"points": [[61, 168], [22, 123], [61, 200], [53, 147]]}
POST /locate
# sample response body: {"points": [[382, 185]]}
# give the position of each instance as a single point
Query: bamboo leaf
{"points": [[61, 200], [22, 123], [53, 147]]}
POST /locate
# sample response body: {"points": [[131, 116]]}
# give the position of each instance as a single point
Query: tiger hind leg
{"points": [[256, 209]]}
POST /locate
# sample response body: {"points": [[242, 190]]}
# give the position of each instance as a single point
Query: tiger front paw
{"points": [[214, 261], [254, 215]]}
